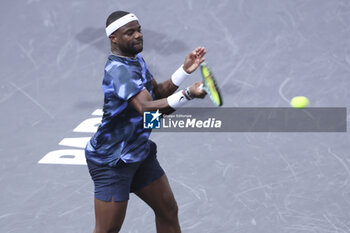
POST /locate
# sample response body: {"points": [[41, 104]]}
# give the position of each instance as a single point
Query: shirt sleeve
{"points": [[126, 83]]}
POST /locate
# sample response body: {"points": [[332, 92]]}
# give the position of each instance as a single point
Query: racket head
{"points": [[210, 86]]}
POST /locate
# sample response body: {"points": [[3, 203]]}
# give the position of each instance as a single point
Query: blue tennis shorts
{"points": [[119, 181]]}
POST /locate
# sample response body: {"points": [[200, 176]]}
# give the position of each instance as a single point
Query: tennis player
{"points": [[120, 157]]}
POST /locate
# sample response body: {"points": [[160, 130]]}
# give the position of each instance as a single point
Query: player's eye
{"points": [[129, 32]]}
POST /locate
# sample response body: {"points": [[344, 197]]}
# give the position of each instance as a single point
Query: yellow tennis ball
{"points": [[299, 102]]}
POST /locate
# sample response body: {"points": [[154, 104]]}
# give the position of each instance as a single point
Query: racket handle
{"points": [[201, 87]]}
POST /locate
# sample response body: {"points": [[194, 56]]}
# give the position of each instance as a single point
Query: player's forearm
{"points": [[143, 102], [165, 89], [161, 105]]}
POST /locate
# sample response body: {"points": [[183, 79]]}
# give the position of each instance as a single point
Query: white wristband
{"points": [[177, 100], [179, 76]]}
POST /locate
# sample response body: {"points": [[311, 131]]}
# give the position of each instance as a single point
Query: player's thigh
{"points": [[109, 215], [159, 196]]}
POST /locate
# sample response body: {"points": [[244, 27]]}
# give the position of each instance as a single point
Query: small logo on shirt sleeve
{"points": [[151, 120]]}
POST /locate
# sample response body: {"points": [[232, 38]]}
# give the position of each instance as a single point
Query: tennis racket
{"points": [[210, 86]]}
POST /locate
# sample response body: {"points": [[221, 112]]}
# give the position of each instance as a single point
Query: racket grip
{"points": [[201, 87]]}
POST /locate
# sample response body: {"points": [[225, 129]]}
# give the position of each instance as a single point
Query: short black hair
{"points": [[114, 16]]}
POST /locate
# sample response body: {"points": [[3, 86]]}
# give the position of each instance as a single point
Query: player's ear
{"points": [[113, 38]]}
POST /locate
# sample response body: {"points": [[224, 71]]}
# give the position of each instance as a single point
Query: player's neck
{"points": [[119, 54]]}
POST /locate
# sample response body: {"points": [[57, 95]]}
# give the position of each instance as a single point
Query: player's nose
{"points": [[138, 35]]}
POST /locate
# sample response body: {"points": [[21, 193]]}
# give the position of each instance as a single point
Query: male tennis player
{"points": [[120, 157]]}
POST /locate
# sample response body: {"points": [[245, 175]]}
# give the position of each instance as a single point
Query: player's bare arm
{"points": [[191, 63], [143, 101]]}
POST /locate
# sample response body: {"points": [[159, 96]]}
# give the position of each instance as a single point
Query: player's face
{"points": [[129, 39]]}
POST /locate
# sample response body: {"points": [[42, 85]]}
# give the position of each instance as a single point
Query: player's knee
{"points": [[169, 212]]}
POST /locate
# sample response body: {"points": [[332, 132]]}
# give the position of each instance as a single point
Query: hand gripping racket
{"points": [[210, 86]]}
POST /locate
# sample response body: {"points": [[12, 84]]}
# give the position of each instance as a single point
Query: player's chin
{"points": [[138, 47]]}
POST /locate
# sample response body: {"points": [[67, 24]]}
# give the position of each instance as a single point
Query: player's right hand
{"points": [[194, 59], [196, 90]]}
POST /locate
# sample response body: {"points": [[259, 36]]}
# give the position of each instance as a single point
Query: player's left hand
{"points": [[197, 91], [194, 59]]}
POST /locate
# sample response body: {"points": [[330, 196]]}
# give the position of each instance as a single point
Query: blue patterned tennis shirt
{"points": [[121, 134]]}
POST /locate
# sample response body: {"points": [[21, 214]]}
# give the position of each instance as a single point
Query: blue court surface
{"points": [[263, 53]]}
